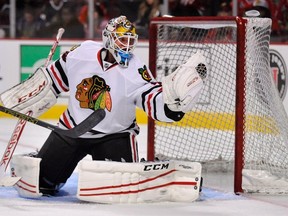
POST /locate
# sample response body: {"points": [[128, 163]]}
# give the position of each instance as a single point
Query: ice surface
{"points": [[211, 202]]}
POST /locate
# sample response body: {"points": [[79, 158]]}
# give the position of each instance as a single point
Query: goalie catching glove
{"points": [[182, 88]]}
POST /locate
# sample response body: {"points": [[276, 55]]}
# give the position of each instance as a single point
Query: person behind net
{"points": [[109, 76]]}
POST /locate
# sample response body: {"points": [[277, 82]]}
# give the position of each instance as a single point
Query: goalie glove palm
{"points": [[182, 88]]}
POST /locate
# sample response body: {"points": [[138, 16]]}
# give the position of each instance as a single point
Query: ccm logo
{"points": [[192, 81], [32, 93], [156, 167]]}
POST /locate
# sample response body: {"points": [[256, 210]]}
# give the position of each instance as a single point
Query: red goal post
{"points": [[239, 124]]}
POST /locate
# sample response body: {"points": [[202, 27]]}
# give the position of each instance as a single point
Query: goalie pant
{"points": [[118, 182], [60, 155]]}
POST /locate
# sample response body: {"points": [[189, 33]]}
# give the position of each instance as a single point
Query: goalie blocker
{"points": [[33, 94], [118, 182]]}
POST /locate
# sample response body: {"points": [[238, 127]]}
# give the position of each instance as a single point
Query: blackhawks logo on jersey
{"points": [[93, 93], [144, 73]]}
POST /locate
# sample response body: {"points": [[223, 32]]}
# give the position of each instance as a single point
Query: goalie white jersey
{"points": [[94, 83]]}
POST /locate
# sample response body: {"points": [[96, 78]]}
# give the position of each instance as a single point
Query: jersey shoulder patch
{"points": [[144, 73]]}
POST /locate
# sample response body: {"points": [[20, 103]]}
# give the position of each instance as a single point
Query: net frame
{"points": [[241, 79]]}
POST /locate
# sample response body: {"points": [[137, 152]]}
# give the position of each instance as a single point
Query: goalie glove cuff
{"points": [[169, 93], [173, 113]]}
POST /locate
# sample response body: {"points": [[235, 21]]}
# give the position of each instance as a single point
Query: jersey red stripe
{"points": [[59, 81], [66, 121]]}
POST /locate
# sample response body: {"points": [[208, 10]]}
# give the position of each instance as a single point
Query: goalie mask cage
{"points": [[239, 125]]}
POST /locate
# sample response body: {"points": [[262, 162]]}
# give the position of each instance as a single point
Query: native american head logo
{"points": [[93, 93]]}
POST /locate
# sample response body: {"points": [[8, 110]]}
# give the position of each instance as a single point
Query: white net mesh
{"points": [[266, 125], [207, 133]]}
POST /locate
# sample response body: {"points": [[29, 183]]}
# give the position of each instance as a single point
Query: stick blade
{"points": [[85, 126], [90, 122], [8, 181]]}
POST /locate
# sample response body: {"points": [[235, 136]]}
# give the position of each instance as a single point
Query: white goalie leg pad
{"points": [[34, 94], [182, 88], [28, 169], [117, 182]]}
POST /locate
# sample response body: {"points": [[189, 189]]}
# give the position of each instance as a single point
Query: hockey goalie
{"points": [[109, 76]]}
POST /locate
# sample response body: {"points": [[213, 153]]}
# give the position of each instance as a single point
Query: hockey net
{"points": [[239, 125]]}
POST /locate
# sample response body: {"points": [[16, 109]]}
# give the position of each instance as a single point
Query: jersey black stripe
{"points": [[71, 118], [62, 73], [144, 94], [62, 123], [154, 106], [53, 84]]}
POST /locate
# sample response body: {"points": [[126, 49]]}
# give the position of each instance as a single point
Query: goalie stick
{"points": [[55, 44], [91, 121], [20, 126]]}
